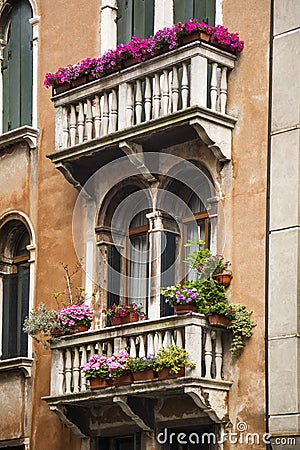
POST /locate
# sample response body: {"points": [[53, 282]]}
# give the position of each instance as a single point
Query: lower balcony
{"points": [[202, 393]]}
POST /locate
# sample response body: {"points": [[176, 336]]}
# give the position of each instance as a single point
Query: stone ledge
{"points": [[23, 364], [26, 134]]}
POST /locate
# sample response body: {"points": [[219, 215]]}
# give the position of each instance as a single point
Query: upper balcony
{"points": [[172, 98], [88, 412]]}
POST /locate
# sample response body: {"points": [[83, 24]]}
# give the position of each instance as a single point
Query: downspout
{"points": [[268, 446]]}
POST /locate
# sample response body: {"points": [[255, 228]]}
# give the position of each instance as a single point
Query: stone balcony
{"points": [[206, 386], [172, 98]]}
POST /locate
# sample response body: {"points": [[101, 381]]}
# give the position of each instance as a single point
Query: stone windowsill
{"points": [[26, 134], [22, 363]]}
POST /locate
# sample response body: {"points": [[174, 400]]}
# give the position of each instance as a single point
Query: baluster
{"points": [[214, 87], [142, 350], [99, 347], [218, 355], [208, 355], [76, 370], [148, 94], [68, 371], [59, 385], [65, 128], [175, 89], [109, 348], [185, 85], [80, 123], [223, 90], [138, 102], [129, 105], [178, 334], [132, 347], [92, 349], [159, 342], [156, 97], [89, 120], [150, 346], [73, 125], [165, 94], [82, 362], [105, 116], [97, 119], [167, 339], [114, 111]]}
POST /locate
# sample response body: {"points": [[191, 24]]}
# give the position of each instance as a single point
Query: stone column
{"points": [[108, 31], [284, 268], [159, 224]]}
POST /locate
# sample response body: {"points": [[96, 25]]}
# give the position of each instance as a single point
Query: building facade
{"points": [[118, 174]]}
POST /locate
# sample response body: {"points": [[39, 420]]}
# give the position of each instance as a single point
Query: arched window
{"points": [[15, 274], [17, 68]]}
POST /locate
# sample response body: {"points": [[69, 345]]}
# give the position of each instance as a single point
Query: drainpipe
{"points": [[268, 446]]}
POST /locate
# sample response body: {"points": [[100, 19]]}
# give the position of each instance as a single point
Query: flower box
{"points": [[123, 380], [216, 320], [124, 320], [185, 308], [100, 383], [145, 375], [165, 373]]}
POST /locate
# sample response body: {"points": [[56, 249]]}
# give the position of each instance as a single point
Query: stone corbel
{"points": [[61, 412], [216, 137], [122, 402], [136, 157], [211, 401]]}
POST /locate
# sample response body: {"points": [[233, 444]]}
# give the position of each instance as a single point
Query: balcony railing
{"points": [[202, 342], [194, 75]]}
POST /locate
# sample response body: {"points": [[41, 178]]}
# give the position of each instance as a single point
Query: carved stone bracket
{"points": [[135, 154], [122, 401], [217, 136], [61, 412], [213, 402]]}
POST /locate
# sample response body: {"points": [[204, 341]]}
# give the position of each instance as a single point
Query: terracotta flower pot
{"points": [[216, 320], [146, 375], [123, 380], [80, 328], [185, 308], [83, 79], [165, 373], [223, 278], [202, 36], [61, 88], [124, 320], [99, 383]]}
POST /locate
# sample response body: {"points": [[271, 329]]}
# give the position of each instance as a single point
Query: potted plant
{"points": [[97, 371], [183, 299], [206, 265], [122, 314], [221, 314], [44, 325], [142, 368], [171, 362], [104, 371], [78, 318]]}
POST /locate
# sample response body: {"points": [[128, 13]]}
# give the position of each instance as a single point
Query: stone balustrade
{"points": [[202, 342], [194, 75]]}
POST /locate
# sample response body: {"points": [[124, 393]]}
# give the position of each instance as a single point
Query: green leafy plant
{"points": [[46, 325], [241, 327], [42, 325], [174, 358], [140, 364]]}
